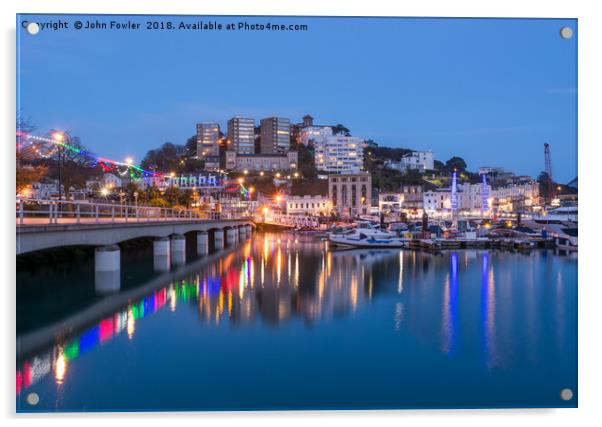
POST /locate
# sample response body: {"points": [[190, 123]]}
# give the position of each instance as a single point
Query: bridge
{"points": [[47, 224]]}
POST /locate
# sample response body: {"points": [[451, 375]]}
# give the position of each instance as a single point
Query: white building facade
{"points": [[315, 134], [417, 160], [308, 205], [339, 154], [516, 197]]}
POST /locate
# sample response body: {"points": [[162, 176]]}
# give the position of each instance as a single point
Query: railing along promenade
{"points": [[42, 212]]}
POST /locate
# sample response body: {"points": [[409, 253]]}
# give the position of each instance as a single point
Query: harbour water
{"points": [[284, 322]]}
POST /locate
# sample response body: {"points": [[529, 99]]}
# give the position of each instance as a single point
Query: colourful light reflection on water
{"points": [[431, 297]]}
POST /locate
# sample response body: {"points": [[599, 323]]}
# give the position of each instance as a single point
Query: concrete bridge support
{"points": [[248, 231], [107, 269], [242, 235], [218, 237], [161, 254], [178, 249], [202, 243], [230, 237]]}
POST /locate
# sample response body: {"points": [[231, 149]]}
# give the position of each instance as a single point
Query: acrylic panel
{"points": [[278, 213]]}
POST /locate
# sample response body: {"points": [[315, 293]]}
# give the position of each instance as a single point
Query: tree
{"points": [[26, 172], [190, 147], [340, 129], [165, 158], [69, 163], [26, 175], [455, 163], [307, 164], [172, 196]]}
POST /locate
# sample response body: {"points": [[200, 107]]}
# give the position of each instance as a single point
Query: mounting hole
{"points": [[566, 394], [566, 32], [33, 399], [33, 28]]}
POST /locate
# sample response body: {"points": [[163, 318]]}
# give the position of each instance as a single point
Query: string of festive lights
{"points": [[40, 143]]}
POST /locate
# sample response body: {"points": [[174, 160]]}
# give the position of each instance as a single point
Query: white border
{"points": [[590, 117]]}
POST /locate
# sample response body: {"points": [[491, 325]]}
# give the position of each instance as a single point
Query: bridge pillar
{"points": [[161, 254], [218, 236], [107, 269], [202, 243], [230, 237], [178, 249], [242, 233], [248, 231]]}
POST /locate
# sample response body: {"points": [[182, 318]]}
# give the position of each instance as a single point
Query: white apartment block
{"points": [[317, 134], [339, 154], [308, 205], [418, 160]]}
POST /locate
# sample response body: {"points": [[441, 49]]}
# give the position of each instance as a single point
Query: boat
{"points": [[367, 228], [558, 215], [565, 235], [361, 240]]}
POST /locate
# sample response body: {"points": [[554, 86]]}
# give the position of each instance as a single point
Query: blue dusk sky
{"points": [[492, 91]]}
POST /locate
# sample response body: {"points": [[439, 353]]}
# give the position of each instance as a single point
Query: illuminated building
{"points": [[241, 135], [275, 135], [416, 160], [339, 154], [350, 194], [207, 144], [260, 162], [307, 205]]}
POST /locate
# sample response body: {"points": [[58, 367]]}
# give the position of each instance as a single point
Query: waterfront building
{"points": [[413, 200], [339, 154], [207, 140], [241, 135], [308, 205], [350, 194], [390, 203], [416, 160], [260, 162], [470, 197], [437, 200], [516, 197], [275, 135]]}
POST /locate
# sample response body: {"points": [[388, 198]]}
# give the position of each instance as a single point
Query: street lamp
{"points": [[59, 137]]}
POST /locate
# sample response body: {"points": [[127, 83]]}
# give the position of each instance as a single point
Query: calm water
{"points": [[285, 322]]}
